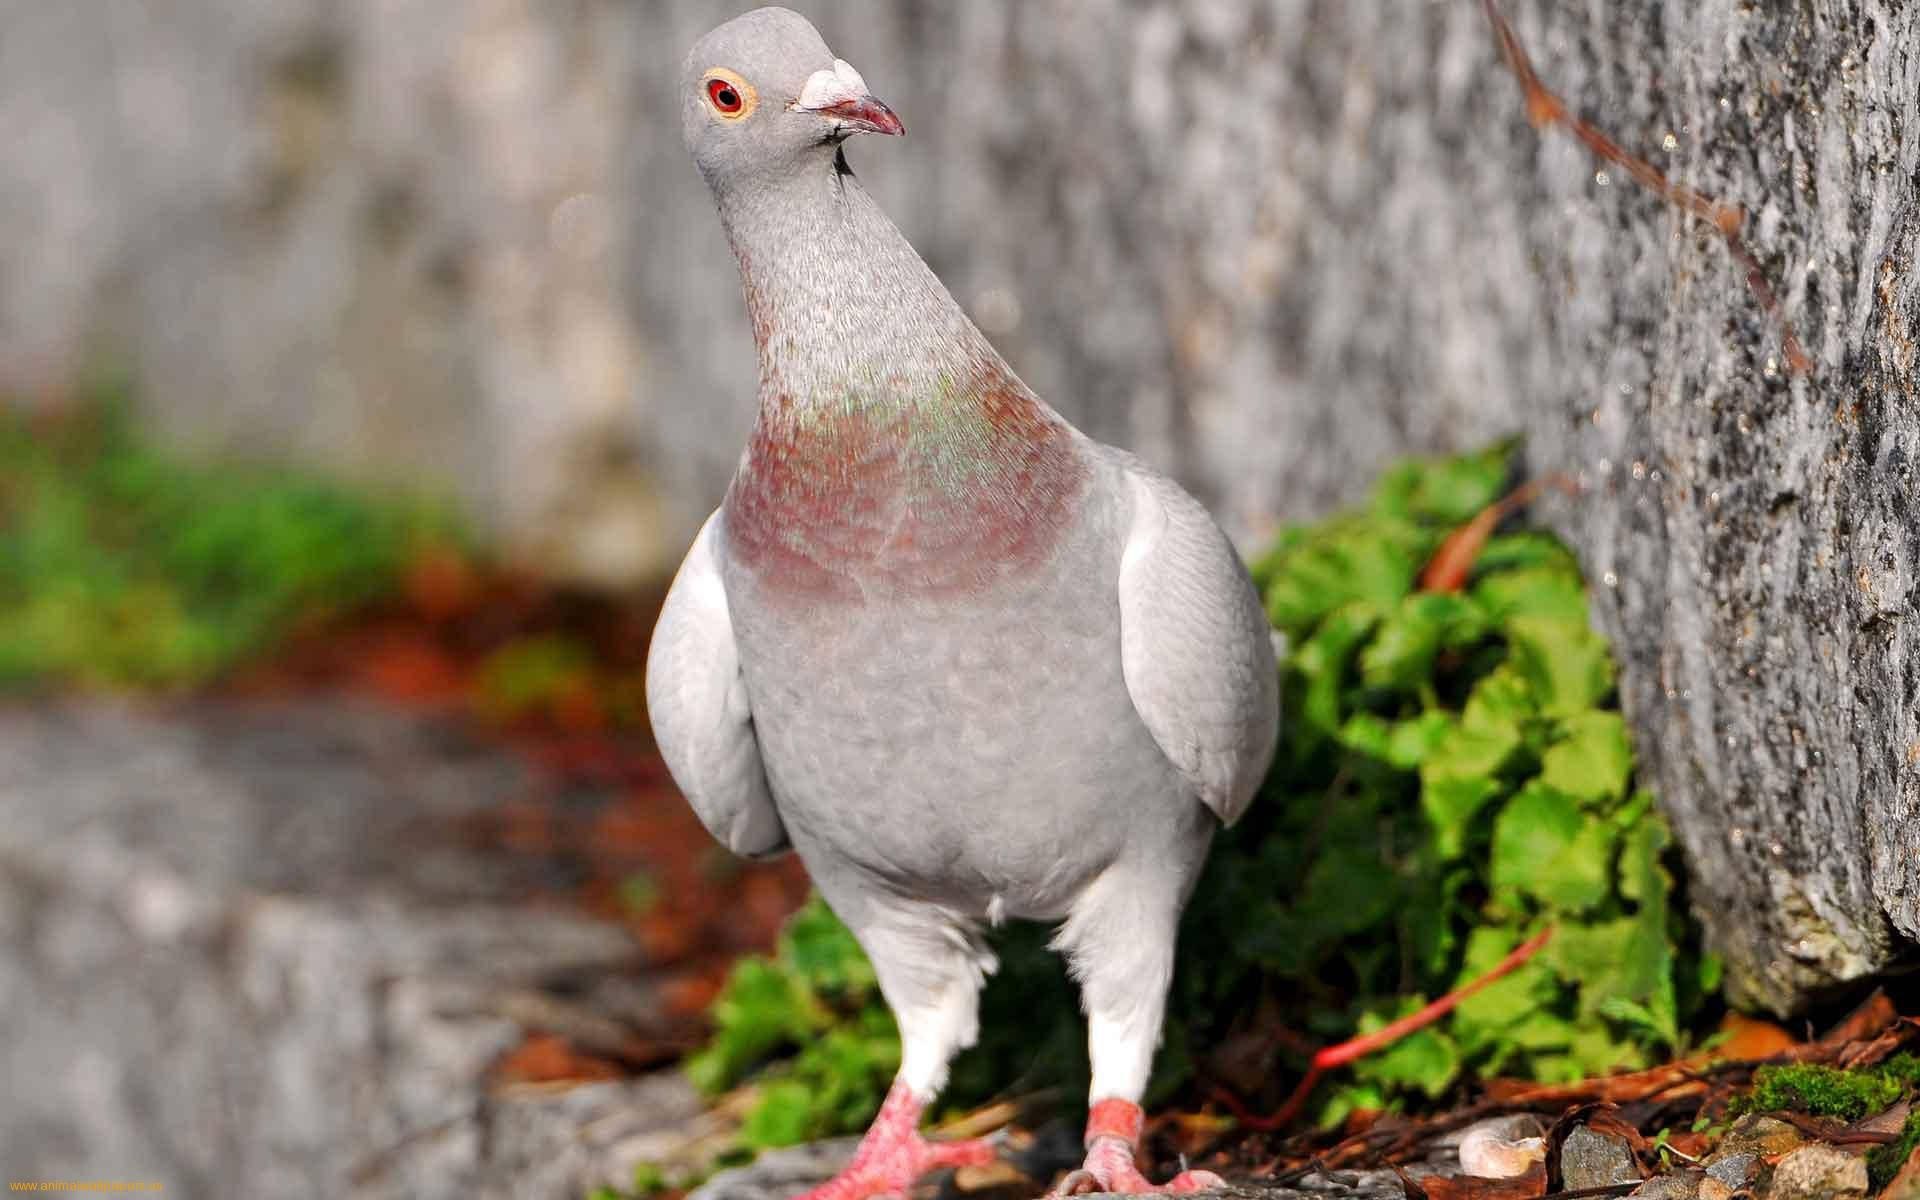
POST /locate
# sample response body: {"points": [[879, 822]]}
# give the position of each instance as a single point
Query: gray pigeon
{"points": [[969, 663]]}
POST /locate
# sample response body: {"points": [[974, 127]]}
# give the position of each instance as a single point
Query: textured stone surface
{"points": [[1592, 1160], [1270, 243], [1818, 1173], [238, 956]]}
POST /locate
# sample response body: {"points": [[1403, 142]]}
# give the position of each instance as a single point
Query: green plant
{"points": [[1845, 1094], [1823, 1091], [1453, 776], [123, 565], [816, 1005]]}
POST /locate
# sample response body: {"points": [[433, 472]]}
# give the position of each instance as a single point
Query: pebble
{"points": [[1819, 1172], [1736, 1170], [1591, 1160]]}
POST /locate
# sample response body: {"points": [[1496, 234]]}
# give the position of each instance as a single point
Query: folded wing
{"points": [[697, 701], [1195, 645]]}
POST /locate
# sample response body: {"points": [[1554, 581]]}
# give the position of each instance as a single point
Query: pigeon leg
{"points": [[893, 1154], [1113, 1137], [1119, 939], [931, 968]]}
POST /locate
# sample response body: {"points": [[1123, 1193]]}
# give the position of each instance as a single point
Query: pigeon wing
{"points": [[1195, 646], [697, 702]]}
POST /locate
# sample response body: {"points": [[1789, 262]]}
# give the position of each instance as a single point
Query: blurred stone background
{"points": [[1271, 244]]}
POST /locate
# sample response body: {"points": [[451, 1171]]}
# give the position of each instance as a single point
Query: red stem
{"points": [[1345, 1052]]}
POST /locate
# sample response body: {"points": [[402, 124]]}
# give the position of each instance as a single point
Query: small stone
{"points": [[1668, 1187], [1758, 1135], [1818, 1172], [1713, 1189], [1592, 1160], [1736, 1170]]}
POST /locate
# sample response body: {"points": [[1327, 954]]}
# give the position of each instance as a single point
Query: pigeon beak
{"points": [[841, 96]]}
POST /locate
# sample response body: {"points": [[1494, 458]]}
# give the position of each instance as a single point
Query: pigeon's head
{"points": [[762, 95]]}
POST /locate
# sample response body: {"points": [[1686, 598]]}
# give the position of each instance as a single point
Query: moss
{"points": [[1824, 1091]]}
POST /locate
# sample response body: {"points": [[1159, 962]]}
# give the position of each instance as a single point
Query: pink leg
{"points": [[1113, 1136], [893, 1154]]}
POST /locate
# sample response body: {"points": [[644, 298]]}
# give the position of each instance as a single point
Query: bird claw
{"points": [[1109, 1168]]}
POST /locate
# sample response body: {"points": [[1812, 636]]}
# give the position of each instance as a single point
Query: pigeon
{"points": [[968, 663]]}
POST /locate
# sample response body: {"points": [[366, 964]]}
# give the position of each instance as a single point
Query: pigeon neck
{"points": [[895, 452], [845, 314]]}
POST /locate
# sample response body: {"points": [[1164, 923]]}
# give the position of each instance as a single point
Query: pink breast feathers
{"points": [[903, 499]]}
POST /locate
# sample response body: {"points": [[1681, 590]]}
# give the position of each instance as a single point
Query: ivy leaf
{"points": [[1322, 663], [1564, 662], [783, 1116], [1447, 491], [1519, 996], [1450, 803], [1402, 652], [1552, 592], [1642, 879], [1592, 759], [1347, 890], [1426, 1059], [1527, 548], [1502, 700], [1348, 1099], [1544, 846], [1402, 744], [1355, 560]]}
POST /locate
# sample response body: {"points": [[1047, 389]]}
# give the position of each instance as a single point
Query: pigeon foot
{"points": [[1113, 1133], [893, 1154]]}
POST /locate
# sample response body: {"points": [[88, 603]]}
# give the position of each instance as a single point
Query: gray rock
{"points": [[778, 1174], [1818, 1172], [242, 955], [1590, 1160], [1680, 1185], [1736, 1170], [1710, 1188], [1754, 1136]]}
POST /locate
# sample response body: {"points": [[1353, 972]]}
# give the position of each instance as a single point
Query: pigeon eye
{"points": [[732, 97]]}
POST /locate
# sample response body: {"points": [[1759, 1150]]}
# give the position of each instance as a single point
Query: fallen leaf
{"points": [[547, 1058]]}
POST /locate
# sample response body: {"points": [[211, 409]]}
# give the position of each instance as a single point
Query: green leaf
{"points": [[1551, 592], [1450, 803], [1350, 1098], [1402, 652], [784, 1115], [1564, 662], [1426, 1059], [1448, 491], [1403, 744], [1367, 560], [1544, 846], [1347, 891], [824, 954], [1516, 997], [1527, 548], [1592, 759], [1322, 662], [1502, 701]]}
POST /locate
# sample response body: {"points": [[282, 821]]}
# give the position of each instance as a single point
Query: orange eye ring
{"points": [[731, 97]]}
